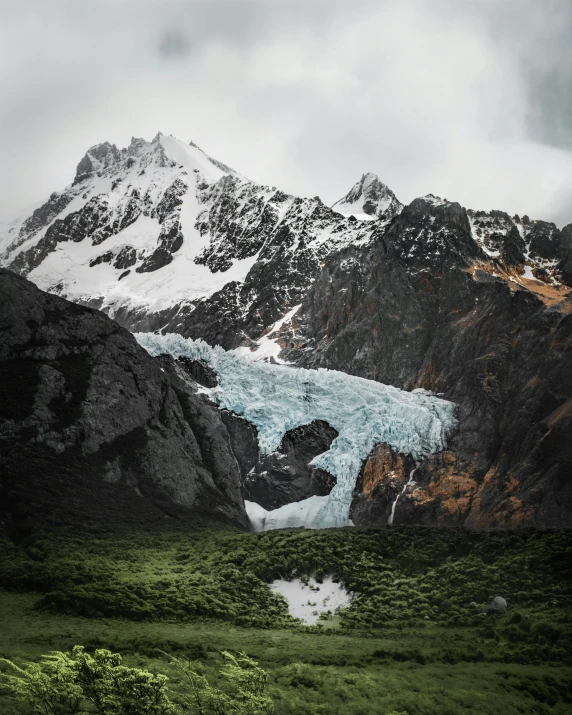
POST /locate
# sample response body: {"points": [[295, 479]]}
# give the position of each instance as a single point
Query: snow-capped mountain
{"points": [[160, 235], [158, 227], [474, 306], [369, 199], [128, 214]]}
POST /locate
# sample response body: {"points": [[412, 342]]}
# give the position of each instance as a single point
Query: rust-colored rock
{"points": [[474, 330], [382, 478]]}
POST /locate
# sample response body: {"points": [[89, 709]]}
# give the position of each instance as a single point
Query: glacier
{"points": [[278, 398]]}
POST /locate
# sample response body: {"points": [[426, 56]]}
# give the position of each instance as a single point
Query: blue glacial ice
{"points": [[277, 398]]}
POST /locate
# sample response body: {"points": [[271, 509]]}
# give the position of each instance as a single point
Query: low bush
{"points": [[77, 683]]}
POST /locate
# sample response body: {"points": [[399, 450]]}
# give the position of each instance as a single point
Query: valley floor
{"points": [[310, 673], [456, 662]]}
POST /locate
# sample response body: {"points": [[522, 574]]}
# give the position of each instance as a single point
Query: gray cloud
{"points": [[472, 101], [174, 44]]}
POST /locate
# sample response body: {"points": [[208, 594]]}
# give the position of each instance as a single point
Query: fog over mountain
{"points": [[472, 102]]}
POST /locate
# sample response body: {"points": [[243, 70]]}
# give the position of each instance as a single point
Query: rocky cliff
{"points": [[95, 430], [427, 306]]}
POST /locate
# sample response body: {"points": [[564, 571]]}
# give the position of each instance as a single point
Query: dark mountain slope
{"points": [[95, 430], [421, 307]]}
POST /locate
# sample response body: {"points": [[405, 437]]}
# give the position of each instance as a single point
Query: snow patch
{"points": [[308, 601], [268, 349]]}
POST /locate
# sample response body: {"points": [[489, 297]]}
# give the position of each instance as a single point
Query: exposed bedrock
{"points": [[95, 430], [199, 371], [286, 475], [243, 439], [383, 477], [500, 350]]}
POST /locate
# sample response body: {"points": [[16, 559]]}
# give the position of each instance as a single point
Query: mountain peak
{"points": [[369, 199], [162, 151], [96, 157]]}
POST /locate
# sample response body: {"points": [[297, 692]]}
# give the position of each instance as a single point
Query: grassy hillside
{"points": [[411, 640]]}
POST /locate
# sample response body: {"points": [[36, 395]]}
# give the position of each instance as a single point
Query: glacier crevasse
{"points": [[277, 398]]}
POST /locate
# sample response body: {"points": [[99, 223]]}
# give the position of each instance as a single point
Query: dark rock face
{"points": [[438, 234], [565, 254], [286, 475], [244, 441], [199, 371], [513, 248], [95, 430], [499, 349], [544, 239], [381, 481]]}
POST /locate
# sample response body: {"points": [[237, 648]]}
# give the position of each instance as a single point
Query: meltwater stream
{"points": [[278, 398], [409, 481]]}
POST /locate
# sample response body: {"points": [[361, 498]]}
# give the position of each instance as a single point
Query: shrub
{"points": [[245, 696], [76, 682]]}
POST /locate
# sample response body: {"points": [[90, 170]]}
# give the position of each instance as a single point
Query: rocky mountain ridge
{"points": [[426, 306], [472, 305], [161, 236], [159, 230]]}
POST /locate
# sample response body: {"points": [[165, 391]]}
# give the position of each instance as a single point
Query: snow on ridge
{"points": [[267, 347], [224, 220], [192, 158], [277, 398], [368, 200], [434, 200], [182, 280]]}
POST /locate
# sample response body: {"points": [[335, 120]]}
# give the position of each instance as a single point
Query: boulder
{"points": [[496, 607]]}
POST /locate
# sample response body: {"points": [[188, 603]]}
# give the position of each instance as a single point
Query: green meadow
{"points": [[414, 639]]}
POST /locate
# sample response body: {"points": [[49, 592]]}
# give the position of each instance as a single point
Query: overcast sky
{"points": [[471, 101]]}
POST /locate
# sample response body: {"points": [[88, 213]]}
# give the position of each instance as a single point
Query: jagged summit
{"points": [[162, 236], [160, 226], [369, 199], [162, 151]]}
